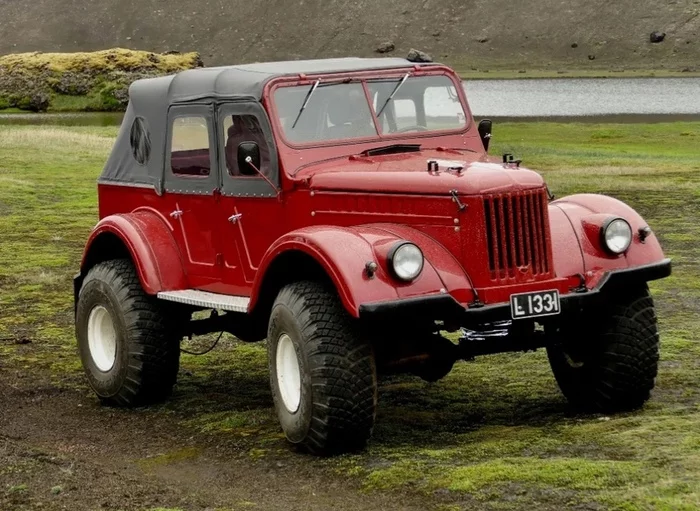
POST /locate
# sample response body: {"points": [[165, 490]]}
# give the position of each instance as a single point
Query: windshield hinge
{"points": [[455, 198]]}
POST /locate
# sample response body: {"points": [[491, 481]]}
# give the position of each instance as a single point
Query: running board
{"points": [[207, 300]]}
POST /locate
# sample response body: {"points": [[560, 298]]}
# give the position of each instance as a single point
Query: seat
{"points": [[350, 117], [245, 128]]}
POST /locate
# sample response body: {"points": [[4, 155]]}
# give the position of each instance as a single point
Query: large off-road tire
{"points": [[609, 362], [322, 372], [129, 348]]}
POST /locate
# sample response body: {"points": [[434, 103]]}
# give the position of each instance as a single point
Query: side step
{"points": [[207, 300]]}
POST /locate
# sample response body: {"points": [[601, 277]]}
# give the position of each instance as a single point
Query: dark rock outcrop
{"points": [[385, 47], [418, 56], [657, 37]]}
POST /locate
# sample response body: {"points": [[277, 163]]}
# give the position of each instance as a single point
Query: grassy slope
{"points": [[495, 434]]}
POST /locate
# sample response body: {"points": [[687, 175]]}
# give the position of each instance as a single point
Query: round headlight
{"points": [[617, 235], [406, 261]]}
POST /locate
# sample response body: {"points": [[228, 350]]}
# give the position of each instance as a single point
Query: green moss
{"points": [[240, 423], [117, 59], [95, 81], [396, 476], [573, 473], [179, 455]]}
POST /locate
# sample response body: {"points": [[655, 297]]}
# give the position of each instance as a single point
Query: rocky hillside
{"points": [[470, 34]]}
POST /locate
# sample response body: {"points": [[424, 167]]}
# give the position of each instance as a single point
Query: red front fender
{"points": [[343, 253], [149, 242], [575, 223]]}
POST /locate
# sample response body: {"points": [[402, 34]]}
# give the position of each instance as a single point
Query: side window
{"points": [[189, 154], [140, 140], [237, 129]]}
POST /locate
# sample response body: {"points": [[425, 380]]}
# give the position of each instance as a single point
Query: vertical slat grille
{"points": [[516, 234]]}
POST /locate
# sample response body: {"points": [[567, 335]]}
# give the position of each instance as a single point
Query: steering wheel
{"points": [[411, 128]]}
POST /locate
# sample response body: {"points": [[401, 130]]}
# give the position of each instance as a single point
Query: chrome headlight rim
{"points": [[604, 239], [391, 258]]}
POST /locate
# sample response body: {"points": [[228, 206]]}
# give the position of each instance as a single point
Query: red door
{"points": [[191, 191], [250, 212]]}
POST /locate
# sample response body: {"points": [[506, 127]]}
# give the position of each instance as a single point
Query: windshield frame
{"points": [[363, 78]]}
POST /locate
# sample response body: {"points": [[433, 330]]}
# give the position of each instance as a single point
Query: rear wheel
{"points": [[129, 348], [322, 372], [609, 363]]}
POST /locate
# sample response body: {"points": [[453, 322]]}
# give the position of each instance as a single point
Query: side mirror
{"points": [[248, 158], [485, 132]]}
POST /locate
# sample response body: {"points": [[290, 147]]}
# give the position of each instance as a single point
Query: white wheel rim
{"points": [[102, 338], [288, 374]]}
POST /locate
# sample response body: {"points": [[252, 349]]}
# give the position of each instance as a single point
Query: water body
{"points": [[63, 119], [586, 97], [605, 100]]}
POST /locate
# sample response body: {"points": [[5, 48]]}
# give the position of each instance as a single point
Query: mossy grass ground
{"points": [[494, 434]]}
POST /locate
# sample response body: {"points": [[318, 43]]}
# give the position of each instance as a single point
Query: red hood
{"points": [[408, 173]]}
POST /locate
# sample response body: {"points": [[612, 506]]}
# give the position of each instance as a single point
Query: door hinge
{"points": [[219, 259]]}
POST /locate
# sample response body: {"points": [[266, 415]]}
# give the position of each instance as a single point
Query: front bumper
{"points": [[443, 307]]}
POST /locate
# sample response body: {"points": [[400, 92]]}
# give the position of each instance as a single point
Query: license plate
{"points": [[533, 305]]}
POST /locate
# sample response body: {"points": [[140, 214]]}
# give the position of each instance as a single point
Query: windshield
{"points": [[340, 111]]}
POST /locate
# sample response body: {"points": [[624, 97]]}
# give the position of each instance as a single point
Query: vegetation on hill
{"points": [[95, 81]]}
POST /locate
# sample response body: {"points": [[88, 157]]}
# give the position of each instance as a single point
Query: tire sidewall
{"points": [[106, 384], [295, 425]]}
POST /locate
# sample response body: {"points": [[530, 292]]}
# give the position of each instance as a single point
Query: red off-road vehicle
{"points": [[347, 211]]}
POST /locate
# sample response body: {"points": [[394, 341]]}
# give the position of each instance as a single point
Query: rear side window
{"points": [[140, 141], [190, 147]]}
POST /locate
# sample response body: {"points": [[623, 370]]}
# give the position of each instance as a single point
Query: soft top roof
{"points": [[248, 80], [150, 100]]}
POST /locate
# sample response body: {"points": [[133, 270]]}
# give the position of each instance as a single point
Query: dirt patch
{"points": [[61, 448]]}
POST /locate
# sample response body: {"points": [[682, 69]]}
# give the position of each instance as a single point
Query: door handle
{"points": [[235, 218], [176, 214]]}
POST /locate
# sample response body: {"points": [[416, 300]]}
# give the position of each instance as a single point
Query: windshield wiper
{"points": [[392, 149], [391, 96], [306, 101]]}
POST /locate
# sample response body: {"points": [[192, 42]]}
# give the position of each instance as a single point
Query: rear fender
{"points": [[575, 223], [344, 252], [149, 241]]}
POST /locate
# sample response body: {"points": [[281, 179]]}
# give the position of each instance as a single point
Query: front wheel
{"points": [[609, 362], [322, 372]]}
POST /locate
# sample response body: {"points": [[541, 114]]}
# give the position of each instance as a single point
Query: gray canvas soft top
{"points": [[250, 79], [151, 98]]}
